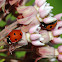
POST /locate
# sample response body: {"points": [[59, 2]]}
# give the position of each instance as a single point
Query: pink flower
{"points": [[44, 10], [58, 16], [45, 52], [49, 20], [60, 51], [39, 2]]}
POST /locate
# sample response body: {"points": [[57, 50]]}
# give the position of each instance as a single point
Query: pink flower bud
{"points": [[60, 57], [39, 2], [35, 36], [57, 32], [58, 16], [45, 35], [26, 28], [44, 12], [33, 29], [36, 1], [37, 43], [45, 6], [57, 40], [27, 10], [60, 49], [59, 24], [49, 20], [46, 52]]}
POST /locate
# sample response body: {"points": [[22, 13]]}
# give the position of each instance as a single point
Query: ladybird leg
{"points": [[11, 48], [38, 59]]}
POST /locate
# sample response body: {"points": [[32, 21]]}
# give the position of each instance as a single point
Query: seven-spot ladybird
{"points": [[49, 26], [14, 36]]}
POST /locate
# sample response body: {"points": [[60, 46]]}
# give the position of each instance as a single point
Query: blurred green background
{"points": [[57, 4]]}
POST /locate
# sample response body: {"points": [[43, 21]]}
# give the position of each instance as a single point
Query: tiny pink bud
{"points": [[58, 16], [33, 29], [37, 43], [39, 2], [59, 23], [60, 57], [57, 32], [35, 36], [60, 49], [46, 52], [49, 20], [57, 40], [36, 1], [44, 13]]}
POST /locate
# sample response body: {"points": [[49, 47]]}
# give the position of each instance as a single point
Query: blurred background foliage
{"points": [[57, 4]]}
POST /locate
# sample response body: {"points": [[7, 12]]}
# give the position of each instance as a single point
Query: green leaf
{"points": [[30, 3], [57, 45], [20, 54], [16, 12], [2, 54], [61, 35], [13, 18], [2, 60], [8, 16], [1, 47], [0, 29], [2, 23], [61, 17], [56, 61]]}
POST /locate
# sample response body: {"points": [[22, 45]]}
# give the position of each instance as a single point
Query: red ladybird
{"points": [[49, 26], [14, 36]]}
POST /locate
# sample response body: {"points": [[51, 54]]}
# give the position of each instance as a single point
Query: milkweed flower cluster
{"points": [[39, 26]]}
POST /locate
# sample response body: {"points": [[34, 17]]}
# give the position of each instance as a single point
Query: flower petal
{"points": [[46, 52], [60, 49], [57, 32], [57, 40], [27, 27], [39, 2], [35, 36], [26, 20], [60, 57], [27, 10], [37, 43], [45, 35], [58, 16], [49, 20], [33, 29]]}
